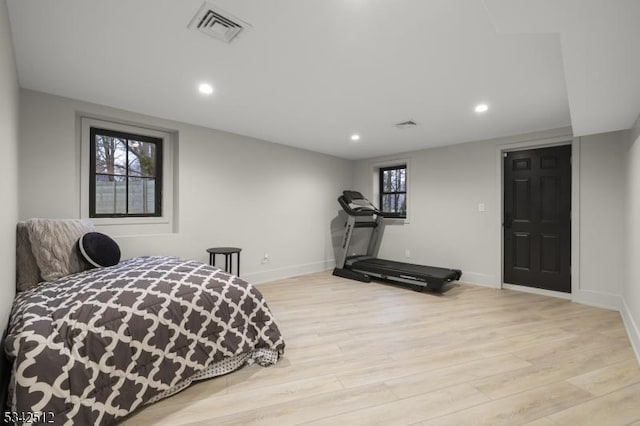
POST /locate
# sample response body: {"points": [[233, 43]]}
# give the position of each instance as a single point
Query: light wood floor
{"points": [[376, 354]]}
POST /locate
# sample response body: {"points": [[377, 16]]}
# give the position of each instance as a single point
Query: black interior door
{"points": [[537, 218]]}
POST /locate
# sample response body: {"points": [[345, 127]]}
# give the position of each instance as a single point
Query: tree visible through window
{"points": [[126, 174], [393, 191]]}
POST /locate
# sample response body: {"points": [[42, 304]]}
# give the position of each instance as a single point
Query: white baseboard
{"points": [[476, 278], [288, 271], [260, 277], [598, 299], [539, 291], [632, 329]]}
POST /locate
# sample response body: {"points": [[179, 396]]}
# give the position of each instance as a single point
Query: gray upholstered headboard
{"points": [[46, 250], [27, 270]]}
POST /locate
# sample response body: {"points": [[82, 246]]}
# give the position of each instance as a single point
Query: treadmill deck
{"points": [[400, 269]]}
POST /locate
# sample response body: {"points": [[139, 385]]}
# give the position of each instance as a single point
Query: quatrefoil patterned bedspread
{"points": [[94, 346]]}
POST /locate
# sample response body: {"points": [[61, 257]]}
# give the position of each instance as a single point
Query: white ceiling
{"points": [[601, 54], [311, 72]]}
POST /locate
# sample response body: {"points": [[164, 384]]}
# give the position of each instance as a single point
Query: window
{"points": [[393, 191], [125, 174], [151, 208]]}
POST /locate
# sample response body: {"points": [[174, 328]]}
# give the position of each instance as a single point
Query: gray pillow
{"points": [[27, 271], [53, 242]]}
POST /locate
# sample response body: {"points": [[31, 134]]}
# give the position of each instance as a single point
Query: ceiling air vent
{"points": [[217, 23], [406, 124]]}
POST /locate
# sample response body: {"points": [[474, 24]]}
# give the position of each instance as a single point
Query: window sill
{"points": [[396, 221], [103, 221], [128, 226]]}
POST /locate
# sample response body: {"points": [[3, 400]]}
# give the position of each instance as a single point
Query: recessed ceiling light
{"points": [[481, 108], [205, 88], [355, 137]]}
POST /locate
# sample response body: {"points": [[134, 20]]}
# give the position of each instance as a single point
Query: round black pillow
{"points": [[99, 250]]}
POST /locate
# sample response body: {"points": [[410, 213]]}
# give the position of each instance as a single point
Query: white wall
{"points": [[232, 190], [9, 100], [631, 290], [446, 229], [602, 216], [264, 197]]}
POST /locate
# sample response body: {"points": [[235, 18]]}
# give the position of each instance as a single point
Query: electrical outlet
{"points": [[481, 207], [407, 253], [265, 258]]}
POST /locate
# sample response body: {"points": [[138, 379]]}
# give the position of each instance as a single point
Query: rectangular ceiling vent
{"points": [[217, 23], [406, 125]]}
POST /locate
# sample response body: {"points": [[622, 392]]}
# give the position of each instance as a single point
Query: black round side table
{"points": [[228, 257]]}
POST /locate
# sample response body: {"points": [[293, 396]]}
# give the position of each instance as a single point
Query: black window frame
{"points": [[395, 215], [158, 142]]}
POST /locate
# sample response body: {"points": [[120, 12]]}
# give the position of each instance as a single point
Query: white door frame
{"points": [[575, 208]]}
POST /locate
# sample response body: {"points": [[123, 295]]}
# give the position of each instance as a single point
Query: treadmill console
{"points": [[355, 204]]}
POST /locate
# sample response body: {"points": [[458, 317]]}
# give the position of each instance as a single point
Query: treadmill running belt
{"points": [[387, 267]]}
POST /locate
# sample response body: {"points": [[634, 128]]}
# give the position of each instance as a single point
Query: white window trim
{"points": [[129, 225], [375, 173]]}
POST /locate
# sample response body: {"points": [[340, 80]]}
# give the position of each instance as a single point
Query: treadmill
{"points": [[363, 214]]}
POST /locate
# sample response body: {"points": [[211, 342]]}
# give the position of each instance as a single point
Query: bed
{"points": [[92, 347]]}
